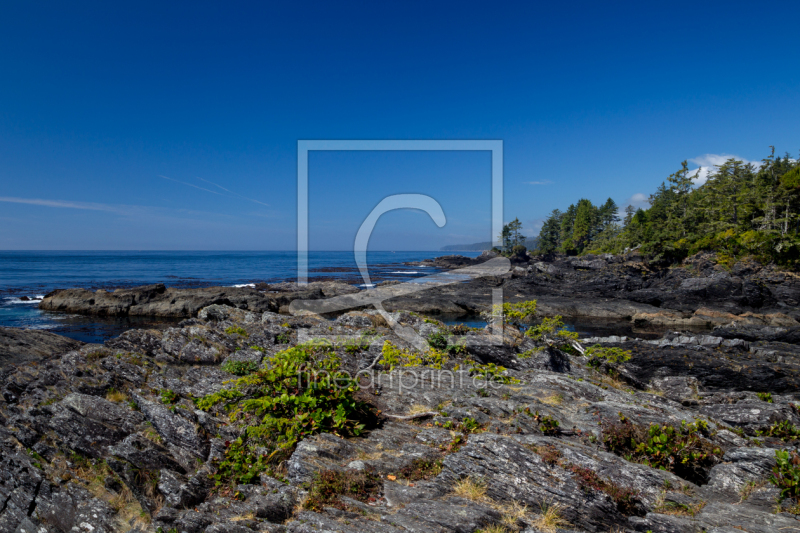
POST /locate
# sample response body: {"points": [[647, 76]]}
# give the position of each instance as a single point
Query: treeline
{"points": [[741, 210]]}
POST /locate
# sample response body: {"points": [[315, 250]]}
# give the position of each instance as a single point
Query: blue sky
{"points": [[175, 125]]}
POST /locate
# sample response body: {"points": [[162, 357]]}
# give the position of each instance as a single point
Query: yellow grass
{"points": [[550, 518], [418, 408], [471, 490], [553, 399], [116, 396]]}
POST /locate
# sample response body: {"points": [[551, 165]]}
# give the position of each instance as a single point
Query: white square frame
{"points": [[305, 146]]}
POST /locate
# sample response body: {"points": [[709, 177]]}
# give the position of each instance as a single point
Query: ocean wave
{"points": [[32, 300], [253, 285], [405, 272], [366, 285]]}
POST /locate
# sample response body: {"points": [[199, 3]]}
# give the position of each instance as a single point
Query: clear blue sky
{"points": [[170, 125]]}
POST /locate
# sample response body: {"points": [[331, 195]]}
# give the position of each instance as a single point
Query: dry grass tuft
{"points": [[471, 490], [493, 529], [116, 396], [512, 514], [418, 408], [553, 399], [550, 518], [746, 490], [248, 516]]}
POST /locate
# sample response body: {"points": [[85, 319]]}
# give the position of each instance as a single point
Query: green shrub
{"points": [[297, 394], [765, 397], [240, 368], [547, 424], [681, 450], [168, 396], [393, 357], [237, 330], [598, 355], [509, 313], [786, 473], [780, 430], [491, 372]]}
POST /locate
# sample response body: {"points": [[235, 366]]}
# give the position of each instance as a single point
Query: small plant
{"points": [[440, 341], [237, 330], [491, 372], [625, 498], [421, 469], [549, 454], [780, 430], [598, 355], [483, 393], [470, 425], [786, 473], [168, 396], [240, 368], [679, 509], [765, 397], [283, 338], [681, 450], [329, 485], [393, 357], [509, 313], [547, 424]]}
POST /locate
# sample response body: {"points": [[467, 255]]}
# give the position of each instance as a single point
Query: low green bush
{"points": [[780, 430], [237, 330], [239, 368], [491, 372], [786, 473], [682, 450], [168, 396], [298, 393], [599, 354]]}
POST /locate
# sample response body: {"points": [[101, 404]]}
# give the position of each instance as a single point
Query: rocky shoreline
{"points": [[698, 294], [523, 434], [112, 438]]}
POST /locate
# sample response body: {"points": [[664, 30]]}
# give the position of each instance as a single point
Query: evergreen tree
{"points": [[549, 235]]}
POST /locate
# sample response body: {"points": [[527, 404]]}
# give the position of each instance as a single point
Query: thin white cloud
{"points": [[637, 200], [542, 182], [708, 163], [230, 194], [62, 203], [233, 193]]}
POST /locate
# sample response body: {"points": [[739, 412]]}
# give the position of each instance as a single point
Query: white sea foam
{"points": [[33, 300], [405, 272], [253, 285], [366, 285]]}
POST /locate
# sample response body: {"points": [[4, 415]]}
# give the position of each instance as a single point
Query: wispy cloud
{"points": [[233, 193], [637, 200], [707, 163], [62, 203], [230, 194], [542, 182]]}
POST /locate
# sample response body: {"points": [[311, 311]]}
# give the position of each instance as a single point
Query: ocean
{"points": [[26, 276]]}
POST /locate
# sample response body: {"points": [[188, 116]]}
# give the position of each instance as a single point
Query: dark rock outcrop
{"points": [[102, 436]]}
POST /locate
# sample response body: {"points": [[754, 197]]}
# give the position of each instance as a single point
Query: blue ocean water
{"points": [[26, 276]]}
